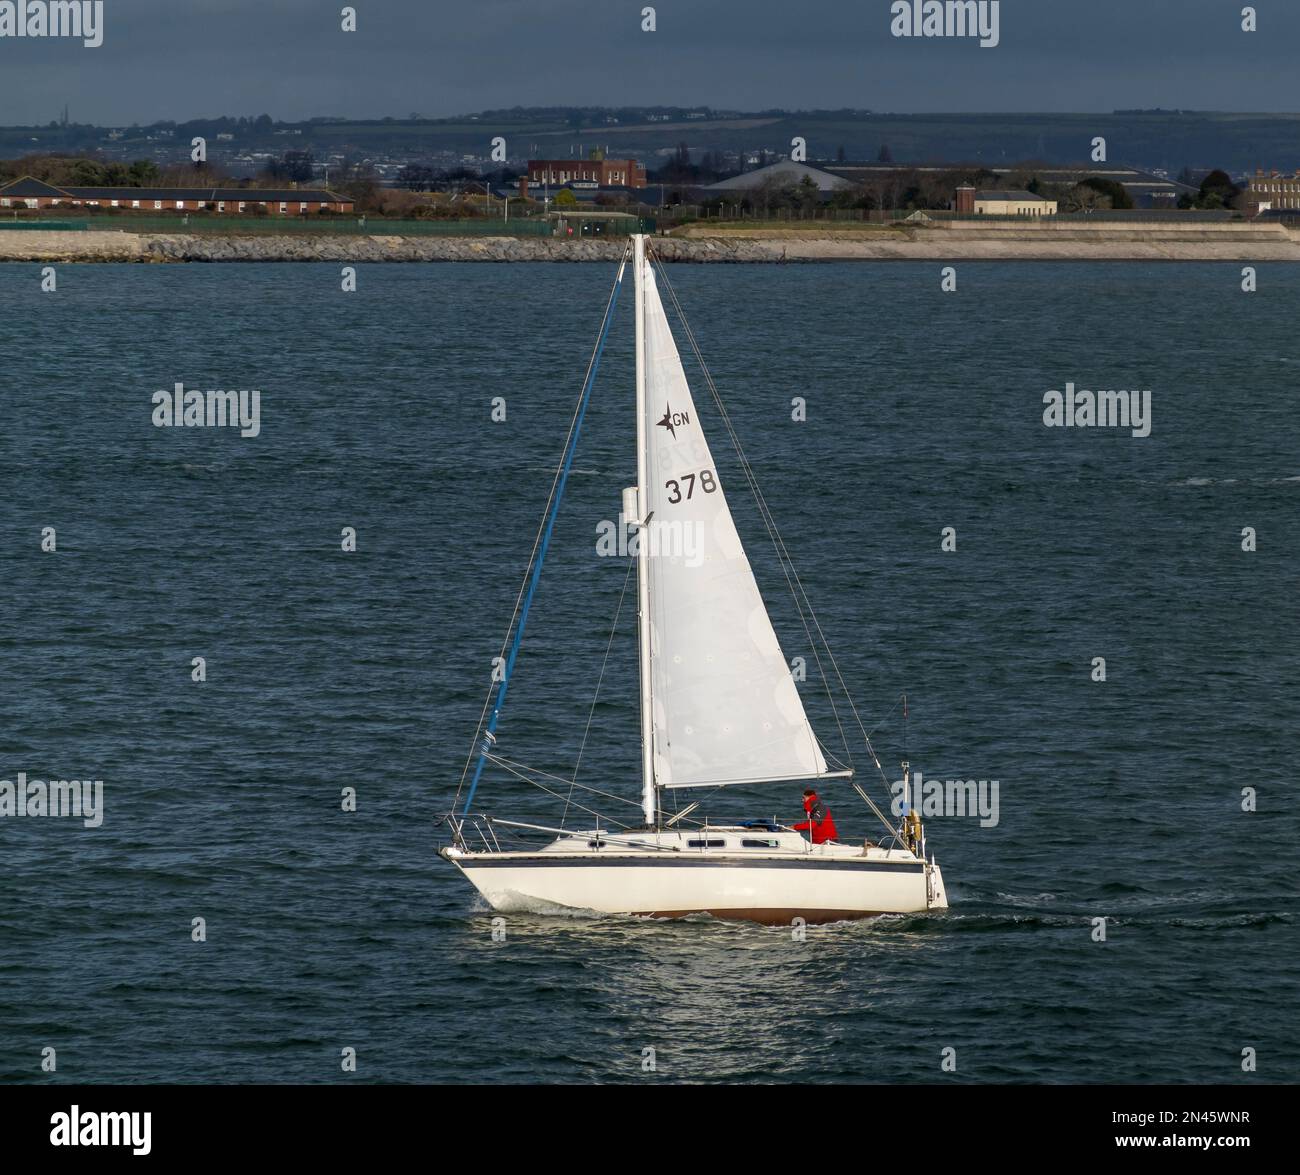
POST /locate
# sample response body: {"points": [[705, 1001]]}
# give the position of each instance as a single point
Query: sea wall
{"points": [[953, 241]]}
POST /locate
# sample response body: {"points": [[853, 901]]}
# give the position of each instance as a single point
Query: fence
{"points": [[689, 213], [1125, 215], [593, 226], [63, 226], [684, 213], [603, 226]]}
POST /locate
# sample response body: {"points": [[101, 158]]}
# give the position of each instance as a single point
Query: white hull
{"points": [[657, 876]]}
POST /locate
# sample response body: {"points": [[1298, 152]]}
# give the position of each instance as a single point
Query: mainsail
{"points": [[725, 706]]}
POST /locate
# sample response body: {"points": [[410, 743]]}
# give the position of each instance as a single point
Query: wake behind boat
{"points": [[719, 706]]}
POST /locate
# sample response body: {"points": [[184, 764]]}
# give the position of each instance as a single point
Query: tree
{"points": [[117, 175], [1083, 198], [565, 198], [295, 167], [1218, 191], [143, 172], [775, 191], [85, 173], [359, 182], [679, 169], [1115, 192], [189, 175], [858, 196], [712, 166], [807, 194], [891, 187], [394, 202], [416, 177]]}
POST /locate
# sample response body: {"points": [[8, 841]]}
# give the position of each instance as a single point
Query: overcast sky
{"points": [[164, 59]]}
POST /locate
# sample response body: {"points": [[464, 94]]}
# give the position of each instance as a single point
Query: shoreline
{"points": [[957, 241]]}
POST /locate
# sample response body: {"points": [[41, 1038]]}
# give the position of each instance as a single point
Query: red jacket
{"points": [[819, 821]]}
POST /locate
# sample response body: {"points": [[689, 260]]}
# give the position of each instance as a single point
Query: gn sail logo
{"points": [[54, 18]]}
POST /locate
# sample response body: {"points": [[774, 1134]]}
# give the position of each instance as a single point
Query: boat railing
{"points": [[476, 831], [494, 835], [622, 837]]}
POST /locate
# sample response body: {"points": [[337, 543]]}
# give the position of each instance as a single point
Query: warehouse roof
{"points": [[27, 186], [783, 170], [310, 195]]}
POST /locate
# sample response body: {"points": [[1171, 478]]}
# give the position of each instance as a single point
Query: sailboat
{"points": [[719, 705]]}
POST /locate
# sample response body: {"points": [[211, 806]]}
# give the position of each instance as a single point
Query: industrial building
{"points": [[783, 171], [1145, 189]]}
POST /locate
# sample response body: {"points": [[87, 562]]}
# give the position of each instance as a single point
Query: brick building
{"points": [[33, 193], [607, 173], [1272, 192]]}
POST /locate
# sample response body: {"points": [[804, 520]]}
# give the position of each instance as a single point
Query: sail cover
{"points": [[725, 707]]}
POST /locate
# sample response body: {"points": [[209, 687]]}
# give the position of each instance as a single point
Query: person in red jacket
{"points": [[819, 822]]}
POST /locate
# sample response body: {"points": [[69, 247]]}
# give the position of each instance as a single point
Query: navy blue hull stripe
{"points": [[682, 861]]}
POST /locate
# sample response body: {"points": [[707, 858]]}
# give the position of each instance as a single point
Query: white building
{"points": [[1013, 203]]}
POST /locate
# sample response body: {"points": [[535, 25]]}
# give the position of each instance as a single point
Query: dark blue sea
{"points": [[328, 930]]}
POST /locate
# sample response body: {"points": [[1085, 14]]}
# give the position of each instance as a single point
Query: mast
{"points": [[649, 806]]}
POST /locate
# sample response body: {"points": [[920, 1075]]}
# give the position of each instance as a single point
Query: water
{"points": [[326, 670]]}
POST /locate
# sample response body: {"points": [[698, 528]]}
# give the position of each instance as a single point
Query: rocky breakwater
{"points": [[54, 246], [352, 248], [957, 241], [374, 248]]}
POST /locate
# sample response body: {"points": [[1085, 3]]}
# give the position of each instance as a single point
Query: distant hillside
{"points": [[1170, 140]]}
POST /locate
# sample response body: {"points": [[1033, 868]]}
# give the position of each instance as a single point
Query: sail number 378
{"points": [[675, 487]]}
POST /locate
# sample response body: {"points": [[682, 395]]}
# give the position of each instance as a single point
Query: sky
{"points": [[181, 59]]}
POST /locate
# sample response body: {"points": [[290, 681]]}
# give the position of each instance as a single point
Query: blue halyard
{"points": [[499, 702]]}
